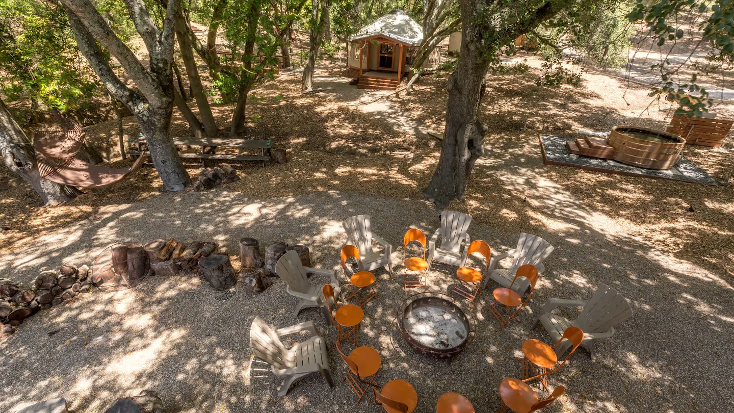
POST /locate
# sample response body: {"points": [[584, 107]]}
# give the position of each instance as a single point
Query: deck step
{"points": [[596, 142], [573, 148], [367, 82], [600, 151]]}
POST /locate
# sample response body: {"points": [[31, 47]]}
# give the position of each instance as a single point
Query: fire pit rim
{"points": [[431, 351]]}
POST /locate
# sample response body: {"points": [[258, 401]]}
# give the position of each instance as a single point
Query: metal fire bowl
{"points": [[432, 301]]}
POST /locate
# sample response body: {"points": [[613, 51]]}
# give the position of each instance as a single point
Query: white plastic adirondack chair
{"points": [[601, 313], [291, 364], [290, 269], [453, 236], [359, 234], [530, 249]]}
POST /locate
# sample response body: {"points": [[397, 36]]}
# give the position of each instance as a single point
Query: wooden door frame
{"points": [[392, 56]]}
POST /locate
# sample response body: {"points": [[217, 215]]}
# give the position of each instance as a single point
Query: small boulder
{"points": [[48, 406], [147, 401]]}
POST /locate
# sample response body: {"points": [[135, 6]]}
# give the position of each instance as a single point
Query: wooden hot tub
{"points": [[645, 148]]}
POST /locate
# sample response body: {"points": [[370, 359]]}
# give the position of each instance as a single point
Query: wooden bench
{"points": [[700, 131], [208, 147]]}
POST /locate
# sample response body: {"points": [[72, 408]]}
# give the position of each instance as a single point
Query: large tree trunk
{"points": [[239, 120], [317, 20], [285, 50], [156, 126], [464, 133], [247, 77], [20, 158], [187, 54]]}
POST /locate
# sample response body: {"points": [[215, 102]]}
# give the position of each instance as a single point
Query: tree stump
{"points": [[279, 155], [303, 254], [272, 254], [152, 248], [218, 271], [68, 271], [44, 296], [165, 268], [66, 282], [19, 314], [137, 265], [250, 253], [119, 260], [25, 297]]}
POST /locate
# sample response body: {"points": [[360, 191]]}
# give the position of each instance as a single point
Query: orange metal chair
{"points": [[415, 264], [397, 396], [346, 318], [520, 397], [510, 300], [360, 279], [364, 363], [470, 275], [540, 359]]}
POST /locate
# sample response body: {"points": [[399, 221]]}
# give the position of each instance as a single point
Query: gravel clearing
{"points": [[190, 343]]}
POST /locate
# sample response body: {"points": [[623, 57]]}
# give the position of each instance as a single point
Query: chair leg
{"points": [[286, 385], [326, 373]]}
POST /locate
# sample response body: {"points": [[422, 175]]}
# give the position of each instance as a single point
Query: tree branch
{"points": [[144, 24]]}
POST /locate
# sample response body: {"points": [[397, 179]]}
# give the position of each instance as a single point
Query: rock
{"points": [[44, 296], [82, 272], [24, 297], [76, 287], [257, 281], [68, 271], [19, 314], [66, 282], [68, 295], [34, 305], [165, 268], [5, 309], [104, 276], [57, 301], [46, 280], [8, 329], [8, 288], [48, 406], [57, 290], [146, 402], [85, 288], [15, 323]]}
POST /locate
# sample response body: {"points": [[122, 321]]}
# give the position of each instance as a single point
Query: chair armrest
{"points": [[301, 295], [381, 241], [558, 302], [495, 260], [305, 326], [540, 267], [317, 271], [600, 336]]}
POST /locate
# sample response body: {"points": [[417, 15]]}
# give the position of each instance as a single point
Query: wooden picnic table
{"points": [[209, 146]]}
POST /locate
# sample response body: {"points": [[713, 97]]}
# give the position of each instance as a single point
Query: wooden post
{"points": [[400, 63], [361, 52]]}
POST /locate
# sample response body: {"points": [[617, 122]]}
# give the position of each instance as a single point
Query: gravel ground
{"points": [[179, 337]]}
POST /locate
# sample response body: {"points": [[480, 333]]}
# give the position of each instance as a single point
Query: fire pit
{"points": [[434, 327]]}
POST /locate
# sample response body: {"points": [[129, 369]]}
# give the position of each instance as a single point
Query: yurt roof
{"points": [[396, 25]]}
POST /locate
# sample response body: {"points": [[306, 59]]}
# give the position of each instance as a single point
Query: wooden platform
{"points": [[378, 80], [206, 149], [555, 152]]}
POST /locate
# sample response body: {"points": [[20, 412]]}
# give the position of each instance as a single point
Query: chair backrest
{"points": [[359, 232], [328, 292], [604, 310], [530, 272], [453, 225], [557, 392], [573, 334], [267, 346], [349, 251], [530, 249], [351, 364], [480, 247], [393, 404], [290, 269], [414, 235]]}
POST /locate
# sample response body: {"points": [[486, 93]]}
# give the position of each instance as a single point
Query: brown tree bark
{"points": [[247, 77], [481, 40], [320, 10], [152, 100], [20, 158], [250, 253]]}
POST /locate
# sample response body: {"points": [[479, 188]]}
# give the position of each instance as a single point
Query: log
{"points": [[137, 266], [5, 309], [25, 297], [279, 155], [250, 253], [119, 260], [153, 248], [44, 296], [66, 282], [191, 250], [68, 295], [19, 314], [303, 254], [176, 255], [68, 271], [76, 287], [218, 271], [57, 301], [272, 254], [205, 250], [165, 252], [57, 290], [165, 268]]}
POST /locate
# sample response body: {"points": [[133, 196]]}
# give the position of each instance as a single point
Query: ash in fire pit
{"points": [[434, 326]]}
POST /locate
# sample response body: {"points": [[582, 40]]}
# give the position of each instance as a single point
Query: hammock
{"points": [[56, 154]]}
